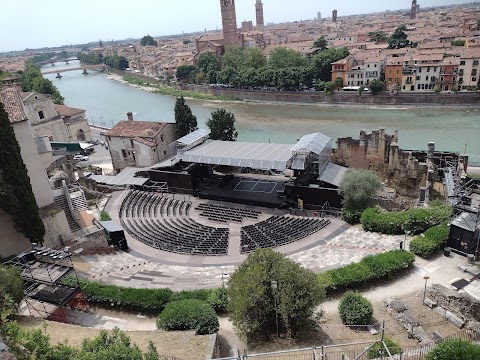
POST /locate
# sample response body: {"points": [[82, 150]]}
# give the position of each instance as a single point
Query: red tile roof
{"points": [[13, 104], [133, 129], [64, 110]]}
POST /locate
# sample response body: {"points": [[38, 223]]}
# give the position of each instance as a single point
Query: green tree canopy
{"points": [[354, 309], [399, 38], [222, 125], [321, 43], [252, 298], [185, 121], [286, 58], [376, 86], [455, 349], [11, 284], [208, 65], [329, 87], [378, 36], [148, 40], [339, 82], [33, 80], [116, 61], [185, 72], [358, 187], [322, 62], [16, 195]]}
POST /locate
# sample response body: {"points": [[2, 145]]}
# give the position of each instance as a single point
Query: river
{"points": [[107, 102]]}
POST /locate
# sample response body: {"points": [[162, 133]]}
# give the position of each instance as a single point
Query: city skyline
{"points": [[55, 24]]}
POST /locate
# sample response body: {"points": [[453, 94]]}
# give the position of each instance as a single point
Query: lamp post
{"points": [[426, 277], [223, 282], [274, 285]]}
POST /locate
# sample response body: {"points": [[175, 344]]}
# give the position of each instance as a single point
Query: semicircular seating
{"points": [[163, 222]]}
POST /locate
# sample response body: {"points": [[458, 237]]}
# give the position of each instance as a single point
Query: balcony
{"points": [[409, 82]]}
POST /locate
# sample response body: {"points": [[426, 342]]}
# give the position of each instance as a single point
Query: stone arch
{"points": [[80, 135]]}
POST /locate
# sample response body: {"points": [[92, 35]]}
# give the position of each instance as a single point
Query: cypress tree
{"points": [[16, 194], [185, 121]]}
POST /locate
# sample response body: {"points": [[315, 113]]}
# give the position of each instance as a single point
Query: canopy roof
{"points": [[125, 177], [313, 142], [240, 154], [193, 136]]}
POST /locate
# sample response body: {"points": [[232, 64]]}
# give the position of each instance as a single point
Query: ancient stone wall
{"points": [[460, 304]]}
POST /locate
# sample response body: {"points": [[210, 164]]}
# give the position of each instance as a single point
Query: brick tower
{"points": [[259, 12], [413, 12], [229, 23], [334, 15]]}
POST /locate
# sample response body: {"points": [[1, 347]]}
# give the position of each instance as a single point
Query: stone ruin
{"points": [[411, 171]]}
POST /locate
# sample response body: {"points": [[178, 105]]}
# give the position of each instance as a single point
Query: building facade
{"points": [[139, 143]]}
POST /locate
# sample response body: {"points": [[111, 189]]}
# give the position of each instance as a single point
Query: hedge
{"points": [[144, 300], [415, 221], [378, 349], [432, 241], [354, 309], [371, 268], [189, 314], [351, 216]]}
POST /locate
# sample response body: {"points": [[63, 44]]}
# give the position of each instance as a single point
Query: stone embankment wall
{"points": [[405, 98]]}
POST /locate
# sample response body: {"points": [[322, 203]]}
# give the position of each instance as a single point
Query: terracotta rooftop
{"points": [[13, 104], [64, 110], [144, 141], [133, 129]]}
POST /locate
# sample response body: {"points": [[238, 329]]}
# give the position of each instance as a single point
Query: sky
{"points": [[47, 23]]}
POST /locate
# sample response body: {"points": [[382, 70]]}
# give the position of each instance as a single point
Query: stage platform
{"points": [[249, 191]]}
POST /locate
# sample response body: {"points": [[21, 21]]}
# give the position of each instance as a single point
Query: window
{"points": [[161, 137], [375, 65], [474, 79], [462, 62], [50, 138], [124, 153], [398, 71], [419, 70], [164, 152], [40, 115], [474, 72], [368, 65], [475, 62], [418, 86], [426, 78], [435, 69], [389, 71], [418, 77], [389, 79], [428, 69]]}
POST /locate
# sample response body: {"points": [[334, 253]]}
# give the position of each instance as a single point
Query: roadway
{"points": [[101, 155]]}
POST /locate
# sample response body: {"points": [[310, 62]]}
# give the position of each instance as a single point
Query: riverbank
{"points": [[135, 81], [153, 87]]}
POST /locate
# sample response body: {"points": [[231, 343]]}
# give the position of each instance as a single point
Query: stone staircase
{"points": [[61, 202], [127, 270]]}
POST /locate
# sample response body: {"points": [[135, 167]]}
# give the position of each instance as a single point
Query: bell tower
{"points": [[259, 12], [229, 23], [413, 12]]}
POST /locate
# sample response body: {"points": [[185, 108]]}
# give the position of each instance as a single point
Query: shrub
{"points": [[104, 216], [351, 216], [432, 241], [189, 314], [11, 284], [218, 300], [455, 349], [414, 221], [373, 267], [378, 349], [354, 309]]}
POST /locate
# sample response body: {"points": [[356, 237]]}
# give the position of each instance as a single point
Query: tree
{"points": [[319, 85], [11, 284], [322, 62], [185, 121], [455, 349], [253, 298], [16, 195], [378, 36], [185, 72], [358, 187], [222, 126], [376, 86], [148, 40], [321, 43], [354, 309], [329, 87], [455, 88], [398, 38], [360, 90], [208, 65], [284, 58], [339, 83], [436, 88]]}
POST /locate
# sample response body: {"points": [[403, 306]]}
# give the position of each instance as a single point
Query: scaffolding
{"points": [[43, 271]]}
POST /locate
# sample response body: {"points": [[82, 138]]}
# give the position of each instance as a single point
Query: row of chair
{"points": [[186, 237], [226, 214], [147, 204], [278, 231]]}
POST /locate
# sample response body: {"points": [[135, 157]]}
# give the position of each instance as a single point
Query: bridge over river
{"points": [[84, 68]]}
